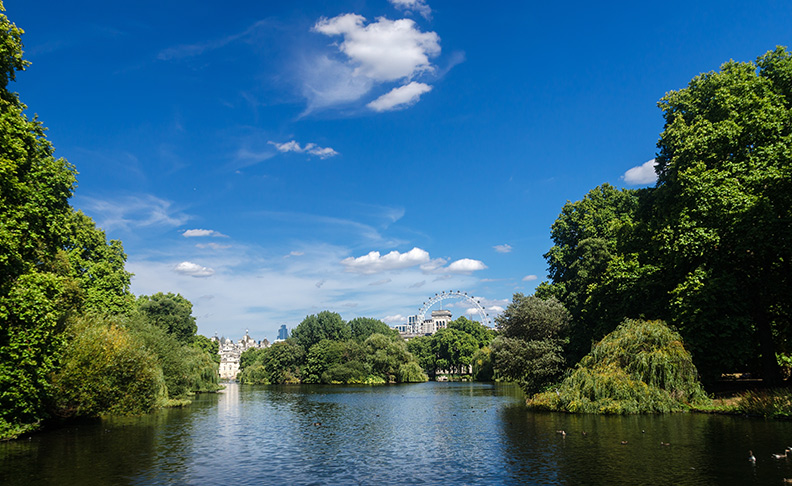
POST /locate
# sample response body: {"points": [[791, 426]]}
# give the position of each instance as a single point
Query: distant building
{"points": [[440, 319], [283, 333], [230, 352]]}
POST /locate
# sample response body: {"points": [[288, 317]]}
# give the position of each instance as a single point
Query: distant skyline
{"points": [[270, 160]]}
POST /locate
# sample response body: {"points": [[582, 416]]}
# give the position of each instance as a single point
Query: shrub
{"points": [[641, 367], [106, 370]]}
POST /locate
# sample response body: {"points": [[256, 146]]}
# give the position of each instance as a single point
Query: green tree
{"points": [[363, 327], [594, 266], [325, 354], [106, 370], [421, 348], [171, 312], [454, 349], [481, 333], [210, 347], [283, 362], [325, 325], [529, 349], [723, 212], [36, 295]]}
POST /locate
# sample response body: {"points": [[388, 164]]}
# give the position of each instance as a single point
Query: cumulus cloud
{"points": [[377, 52], [466, 265], [400, 97], [373, 262], [503, 248], [418, 6], [193, 270], [385, 50], [643, 174], [311, 149], [194, 233], [495, 309], [529, 278]]}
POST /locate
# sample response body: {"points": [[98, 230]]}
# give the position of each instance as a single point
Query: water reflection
{"points": [[459, 433]]}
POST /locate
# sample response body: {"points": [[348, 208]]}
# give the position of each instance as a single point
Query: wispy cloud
{"points": [[409, 6], [212, 246], [134, 211], [380, 282], [196, 49], [310, 148], [400, 97], [643, 174], [529, 278], [506, 248], [197, 233]]}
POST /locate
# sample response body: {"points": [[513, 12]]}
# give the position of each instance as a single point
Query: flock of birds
{"points": [[563, 435], [751, 458]]}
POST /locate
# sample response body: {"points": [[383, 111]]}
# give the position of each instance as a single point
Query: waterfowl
{"points": [[317, 424], [665, 443], [562, 433], [785, 455], [751, 457], [624, 442]]}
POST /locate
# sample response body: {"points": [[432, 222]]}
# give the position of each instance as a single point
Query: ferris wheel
{"points": [[455, 294]]}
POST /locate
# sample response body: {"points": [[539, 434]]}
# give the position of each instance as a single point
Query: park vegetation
{"points": [[74, 341], [703, 258], [324, 348]]}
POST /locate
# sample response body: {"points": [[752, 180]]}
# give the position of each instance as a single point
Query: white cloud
{"points": [[400, 97], [193, 233], [495, 309], [396, 319], [385, 50], [466, 265], [374, 263], [529, 278], [294, 254], [193, 270], [503, 248], [311, 148], [419, 6], [643, 174]]}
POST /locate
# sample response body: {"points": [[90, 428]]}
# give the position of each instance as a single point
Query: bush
{"points": [[106, 370], [641, 367]]}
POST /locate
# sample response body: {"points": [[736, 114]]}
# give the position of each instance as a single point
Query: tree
{"points": [[36, 294], [363, 327], [529, 348], [594, 265], [480, 333], [723, 211], [210, 347], [454, 349], [171, 312], [325, 325], [421, 348]]}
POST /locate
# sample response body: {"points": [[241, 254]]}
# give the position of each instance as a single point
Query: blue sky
{"points": [[269, 160]]}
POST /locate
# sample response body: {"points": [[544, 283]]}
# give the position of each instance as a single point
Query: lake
{"points": [[429, 433]]}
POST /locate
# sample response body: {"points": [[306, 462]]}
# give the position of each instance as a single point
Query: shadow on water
{"points": [[429, 433]]}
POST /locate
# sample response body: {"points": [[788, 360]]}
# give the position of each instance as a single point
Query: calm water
{"points": [[431, 433]]}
